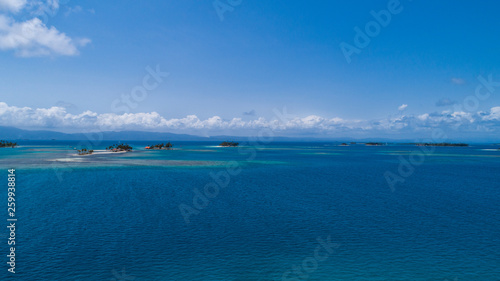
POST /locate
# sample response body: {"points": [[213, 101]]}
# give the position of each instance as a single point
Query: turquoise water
{"points": [[118, 217]]}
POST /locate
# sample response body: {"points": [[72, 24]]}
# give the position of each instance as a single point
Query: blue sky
{"points": [[234, 69]]}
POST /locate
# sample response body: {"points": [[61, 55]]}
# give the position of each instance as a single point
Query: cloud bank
{"points": [[57, 118], [32, 37], [12, 5]]}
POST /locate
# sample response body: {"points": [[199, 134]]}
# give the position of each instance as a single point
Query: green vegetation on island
{"points": [[119, 147], [85, 151], [441, 144], [7, 144], [374, 143], [166, 146], [229, 144]]}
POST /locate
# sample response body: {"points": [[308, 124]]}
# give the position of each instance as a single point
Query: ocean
{"points": [[274, 211]]}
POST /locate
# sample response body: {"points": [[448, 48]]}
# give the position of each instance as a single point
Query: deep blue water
{"points": [[117, 217]]}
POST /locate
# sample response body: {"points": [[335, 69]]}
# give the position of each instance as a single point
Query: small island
{"points": [[374, 143], [166, 146], [85, 151], [229, 144], [441, 144], [119, 147], [7, 144]]}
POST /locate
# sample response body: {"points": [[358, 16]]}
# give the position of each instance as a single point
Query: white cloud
{"points": [[402, 107], [493, 115], [12, 5], [34, 38], [54, 4], [423, 117], [458, 81], [73, 10], [59, 119]]}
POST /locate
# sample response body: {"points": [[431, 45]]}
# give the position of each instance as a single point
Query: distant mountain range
{"points": [[11, 133], [15, 134]]}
